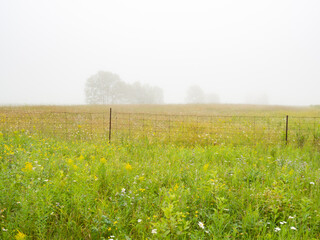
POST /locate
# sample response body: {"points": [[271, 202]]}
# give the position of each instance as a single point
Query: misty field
{"points": [[78, 188]]}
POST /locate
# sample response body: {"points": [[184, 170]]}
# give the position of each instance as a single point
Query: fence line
{"points": [[185, 129]]}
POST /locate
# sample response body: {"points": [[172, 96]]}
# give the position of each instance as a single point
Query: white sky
{"points": [[233, 48]]}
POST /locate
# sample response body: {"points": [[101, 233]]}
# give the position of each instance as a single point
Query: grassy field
{"points": [[198, 109], [57, 188]]}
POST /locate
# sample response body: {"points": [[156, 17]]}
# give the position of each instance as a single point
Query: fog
{"points": [[241, 51]]}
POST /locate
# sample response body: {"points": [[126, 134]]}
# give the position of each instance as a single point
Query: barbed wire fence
{"points": [[181, 129]]}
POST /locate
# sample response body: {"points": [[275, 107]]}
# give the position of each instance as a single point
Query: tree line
{"points": [[108, 88]]}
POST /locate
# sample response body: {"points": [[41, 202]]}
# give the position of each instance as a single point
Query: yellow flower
{"points": [[69, 161], [205, 167], [20, 236], [28, 167], [128, 167], [103, 160]]}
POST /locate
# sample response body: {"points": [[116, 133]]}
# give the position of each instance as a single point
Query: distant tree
{"points": [[212, 98], [108, 88], [258, 99], [195, 95], [145, 94], [102, 88]]}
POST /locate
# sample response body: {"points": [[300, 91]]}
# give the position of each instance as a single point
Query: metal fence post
{"points": [[110, 125], [287, 121], [169, 130]]}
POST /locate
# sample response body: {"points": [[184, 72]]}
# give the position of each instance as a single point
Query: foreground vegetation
{"points": [[57, 189]]}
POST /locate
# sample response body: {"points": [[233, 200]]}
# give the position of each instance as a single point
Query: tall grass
{"points": [[66, 189]]}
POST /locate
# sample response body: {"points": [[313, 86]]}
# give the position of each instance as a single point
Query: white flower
{"points": [[284, 222], [139, 220], [293, 228], [5, 230], [46, 180], [277, 229], [290, 217], [312, 183], [154, 231], [123, 190], [201, 225]]}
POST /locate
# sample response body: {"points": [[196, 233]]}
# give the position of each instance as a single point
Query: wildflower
{"points": [[154, 231], [46, 180], [5, 230], [284, 222], [123, 190], [290, 217], [201, 225], [103, 160], [311, 183], [141, 178], [139, 220], [277, 229], [293, 228], [70, 161], [128, 167], [20, 236], [205, 167], [28, 167]]}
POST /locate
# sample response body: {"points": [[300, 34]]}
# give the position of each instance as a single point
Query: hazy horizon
{"points": [[243, 51]]}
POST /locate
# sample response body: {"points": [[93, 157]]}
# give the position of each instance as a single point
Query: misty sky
{"points": [[236, 49]]}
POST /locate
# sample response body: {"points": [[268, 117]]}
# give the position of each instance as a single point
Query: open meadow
{"points": [[160, 172]]}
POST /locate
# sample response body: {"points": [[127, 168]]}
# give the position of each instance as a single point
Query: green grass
{"points": [[57, 189]]}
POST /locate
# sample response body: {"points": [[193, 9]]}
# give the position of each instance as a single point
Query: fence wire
{"points": [[184, 129]]}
